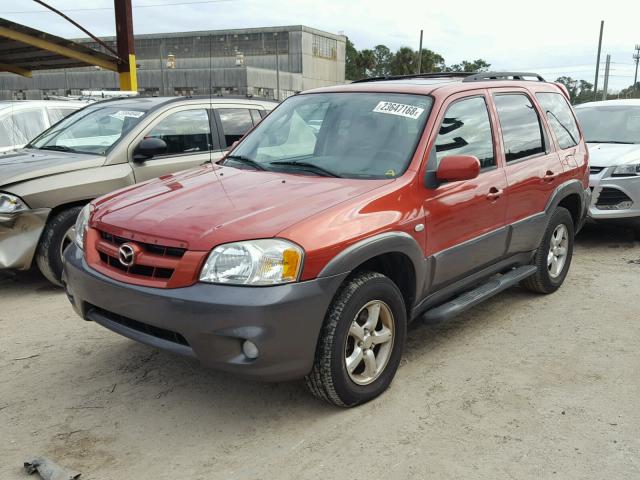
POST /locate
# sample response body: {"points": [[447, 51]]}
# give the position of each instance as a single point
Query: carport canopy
{"points": [[24, 49]]}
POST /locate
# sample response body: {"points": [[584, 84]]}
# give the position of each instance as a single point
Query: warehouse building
{"points": [[272, 63]]}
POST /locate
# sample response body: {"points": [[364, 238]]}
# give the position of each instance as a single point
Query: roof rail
{"points": [[415, 75], [478, 77]]}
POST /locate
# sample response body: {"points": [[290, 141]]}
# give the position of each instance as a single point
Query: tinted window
{"points": [[235, 123], [466, 130], [58, 113], [521, 130], [28, 125], [187, 131], [610, 123], [255, 115], [560, 118]]}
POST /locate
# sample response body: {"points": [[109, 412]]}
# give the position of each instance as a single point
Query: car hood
{"points": [[612, 154], [201, 208], [29, 164]]}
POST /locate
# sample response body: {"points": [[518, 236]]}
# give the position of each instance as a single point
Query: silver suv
{"points": [[101, 148]]}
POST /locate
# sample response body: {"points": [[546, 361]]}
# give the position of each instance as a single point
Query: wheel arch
{"points": [[569, 195]]}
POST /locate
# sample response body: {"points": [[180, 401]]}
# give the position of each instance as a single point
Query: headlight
{"points": [[11, 204], [82, 223], [255, 262], [627, 170]]}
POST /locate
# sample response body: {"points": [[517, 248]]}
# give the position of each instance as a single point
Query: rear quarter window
{"points": [[560, 118]]}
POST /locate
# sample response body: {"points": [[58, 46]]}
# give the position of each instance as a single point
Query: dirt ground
{"points": [[523, 386]]}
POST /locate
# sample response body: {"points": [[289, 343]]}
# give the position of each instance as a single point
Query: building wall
{"points": [[224, 61]]}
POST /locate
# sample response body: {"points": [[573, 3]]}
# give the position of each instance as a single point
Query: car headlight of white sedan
{"points": [[11, 204], [254, 263], [628, 170]]}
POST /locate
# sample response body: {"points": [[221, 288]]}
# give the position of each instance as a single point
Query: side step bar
{"points": [[470, 299]]}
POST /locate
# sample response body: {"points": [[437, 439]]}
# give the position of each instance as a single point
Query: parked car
{"points": [[23, 120], [306, 250], [105, 146], [612, 132]]}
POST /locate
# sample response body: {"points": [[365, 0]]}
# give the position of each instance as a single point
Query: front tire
{"points": [[361, 341], [56, 237], [553, 256]]}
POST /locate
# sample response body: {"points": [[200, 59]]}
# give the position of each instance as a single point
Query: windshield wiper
{"points": [[610, 141], [246, 161], [57, 148], [308, 166]]}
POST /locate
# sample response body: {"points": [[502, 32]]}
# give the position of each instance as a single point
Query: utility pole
{"points": [[636, 57], [125, 43], [595, 83], [277, 69], [420, 55], [606, 77]]}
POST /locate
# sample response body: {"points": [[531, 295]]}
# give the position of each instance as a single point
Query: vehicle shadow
{"points": [[615, 236], [16, 282]]}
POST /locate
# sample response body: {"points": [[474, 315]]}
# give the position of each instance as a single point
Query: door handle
{"points": [[494, 193], [550, 176]]}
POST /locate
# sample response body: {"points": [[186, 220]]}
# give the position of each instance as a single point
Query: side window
{"points": [[466, 130], [58, 113], [187, 131], [28, 125], [255, 115], [521, 129], [235, 123], [560, 118]]}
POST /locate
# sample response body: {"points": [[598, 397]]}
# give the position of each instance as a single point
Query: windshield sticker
{"points": [[126, 113], [400, 109]]}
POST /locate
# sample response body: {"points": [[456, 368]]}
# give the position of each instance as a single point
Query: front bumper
{"points": [[210, 322], [19, 236], [629, 186]]}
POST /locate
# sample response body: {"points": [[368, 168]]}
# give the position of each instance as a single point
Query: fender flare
{"points": [[562, 191]]}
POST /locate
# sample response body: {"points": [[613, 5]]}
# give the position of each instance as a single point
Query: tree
{"points": [[383, 58], [431, 61], [351, 61], [403, 62], [366, 62], [478, 65]]}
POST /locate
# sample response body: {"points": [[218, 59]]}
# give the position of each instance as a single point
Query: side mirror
{"points": [[456, 168], [149, 147]]}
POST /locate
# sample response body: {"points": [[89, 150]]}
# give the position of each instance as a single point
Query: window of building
{"points": [[235, 123], [466, 130], [187, 131], [324, 47], [560, 118], [521, 128]]}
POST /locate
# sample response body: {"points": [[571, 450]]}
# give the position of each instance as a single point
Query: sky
{"points": [[549, 37]]}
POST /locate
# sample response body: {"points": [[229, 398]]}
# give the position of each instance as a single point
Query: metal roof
{"points": [[24, 49]]}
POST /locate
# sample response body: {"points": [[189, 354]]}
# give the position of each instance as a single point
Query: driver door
{"points": [[187, 131]]}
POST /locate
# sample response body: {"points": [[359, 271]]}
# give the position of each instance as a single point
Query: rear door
{"points": [[465, 220], [532, 165], [191, 139]]}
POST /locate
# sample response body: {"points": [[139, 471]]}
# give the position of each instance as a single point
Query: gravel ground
{"points": [[523, 386]]}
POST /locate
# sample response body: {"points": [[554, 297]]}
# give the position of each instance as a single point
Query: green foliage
{"points": [[580, 91], [478, 65]]}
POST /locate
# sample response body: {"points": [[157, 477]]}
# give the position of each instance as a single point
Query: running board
{"points": [[472, 298]]}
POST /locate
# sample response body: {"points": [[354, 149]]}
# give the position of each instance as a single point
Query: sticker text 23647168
{"points": [[400, 109]]}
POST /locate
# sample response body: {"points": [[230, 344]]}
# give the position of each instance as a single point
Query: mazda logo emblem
{"points": [[126, 255]]}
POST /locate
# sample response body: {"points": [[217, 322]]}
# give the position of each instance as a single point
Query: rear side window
{"points": [[466, 130], [235, 123], [521, 128], [560, 118]]}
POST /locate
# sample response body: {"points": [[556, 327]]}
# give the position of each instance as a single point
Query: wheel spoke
{"points": [[354, 359], [374, 314], [550, 258], [554, 266], [369, 363], [562, 251], [356, 331], [383, 336]]}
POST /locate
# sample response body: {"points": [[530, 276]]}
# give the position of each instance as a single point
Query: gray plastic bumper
{"points": [[210, 322]]}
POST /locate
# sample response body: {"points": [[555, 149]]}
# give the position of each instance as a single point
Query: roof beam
{"points": [[13, 69], [55, 48]]}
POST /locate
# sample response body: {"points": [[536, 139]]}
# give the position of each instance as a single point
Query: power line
{"points": [[95, 9]]}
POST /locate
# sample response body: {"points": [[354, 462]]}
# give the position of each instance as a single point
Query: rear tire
{"points": [[56, 237], [553, 257], [361, 342]]}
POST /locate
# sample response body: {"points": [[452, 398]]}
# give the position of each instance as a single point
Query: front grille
{"points": [[158, 262], [611, 196], [157, 332], [595, 170]]}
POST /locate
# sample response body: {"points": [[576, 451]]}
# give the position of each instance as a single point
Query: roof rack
{"points": [[478, 77], [415, 75]]}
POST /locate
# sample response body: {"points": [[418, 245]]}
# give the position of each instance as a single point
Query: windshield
{"points": [[610, 124], [91, 130], [352, 135]]}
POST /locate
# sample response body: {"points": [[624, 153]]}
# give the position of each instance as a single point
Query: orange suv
{"points": [[346, 213]]}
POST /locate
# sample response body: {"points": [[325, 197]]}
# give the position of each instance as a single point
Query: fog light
{"points": [[250, 349]]}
